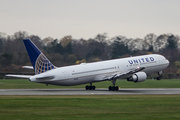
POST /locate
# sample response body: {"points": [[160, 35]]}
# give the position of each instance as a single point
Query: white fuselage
{"points": [[95, 72]]}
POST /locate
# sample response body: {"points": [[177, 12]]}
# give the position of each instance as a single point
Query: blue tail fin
{"points": [[38, 59]]}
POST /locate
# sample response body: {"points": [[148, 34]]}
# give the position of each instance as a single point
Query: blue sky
{"points": [[87, 18]]}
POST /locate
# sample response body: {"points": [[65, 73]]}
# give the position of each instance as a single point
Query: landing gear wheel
{"points": [[110, 88], [159, 75], [87, 87], [113, 88], [93, 87], [90, 87], [117, 88]]}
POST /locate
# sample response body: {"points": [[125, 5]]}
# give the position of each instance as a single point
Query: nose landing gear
{"points": [[159, 75]]}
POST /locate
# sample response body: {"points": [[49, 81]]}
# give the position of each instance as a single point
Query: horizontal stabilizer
{"points": [[28, 67], [19, 76]]}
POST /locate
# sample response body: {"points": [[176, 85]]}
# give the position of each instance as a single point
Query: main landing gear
{"points": [[159, 75], [113, 88], [90, 87]]}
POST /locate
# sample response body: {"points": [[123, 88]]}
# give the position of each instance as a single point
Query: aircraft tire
{"points": [[117, 88], [87, 87], [90, 87], [113, 88], [110, 88], [93, 87], [158, 78]]}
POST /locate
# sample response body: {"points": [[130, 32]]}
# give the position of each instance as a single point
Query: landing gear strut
{"points": [[113, 88], [159, 75], [90, 87]]}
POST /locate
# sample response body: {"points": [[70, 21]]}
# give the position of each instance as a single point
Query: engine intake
{"points": [[138, 77]]}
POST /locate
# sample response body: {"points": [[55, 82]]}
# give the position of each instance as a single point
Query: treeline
{"points": [[69, 51]]}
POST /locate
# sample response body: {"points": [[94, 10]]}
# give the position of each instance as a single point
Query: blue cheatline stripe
{"points": [[38, 60]]}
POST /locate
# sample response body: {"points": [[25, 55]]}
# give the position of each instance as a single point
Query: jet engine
{"points": [[138, 77]]}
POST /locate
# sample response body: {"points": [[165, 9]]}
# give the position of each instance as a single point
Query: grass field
{"points": [[92, 107], [124, 107], [25, 84]]}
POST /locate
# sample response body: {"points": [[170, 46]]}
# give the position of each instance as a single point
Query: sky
{"points": [[87, 18]]}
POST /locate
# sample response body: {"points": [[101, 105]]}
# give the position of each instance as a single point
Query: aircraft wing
{"points": [[19, 76], [123, 74]]}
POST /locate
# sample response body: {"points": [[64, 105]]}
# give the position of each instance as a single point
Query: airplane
{"points": [[133, 69]]}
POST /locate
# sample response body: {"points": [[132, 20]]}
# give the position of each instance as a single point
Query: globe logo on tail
{"points": [[43, 64]]}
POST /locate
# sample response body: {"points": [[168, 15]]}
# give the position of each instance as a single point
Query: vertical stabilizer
{"points": [[39, 61]]}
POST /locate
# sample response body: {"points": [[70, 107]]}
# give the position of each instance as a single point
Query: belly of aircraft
{"points": [[71, 82]]}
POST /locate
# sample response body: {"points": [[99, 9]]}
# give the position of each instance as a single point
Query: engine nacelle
{"points": [[138, 77]]}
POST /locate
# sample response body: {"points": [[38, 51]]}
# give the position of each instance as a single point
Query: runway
{"points": [[129, 91]]}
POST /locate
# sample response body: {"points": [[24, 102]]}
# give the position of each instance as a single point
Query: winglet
{"points": [[39, 61]]}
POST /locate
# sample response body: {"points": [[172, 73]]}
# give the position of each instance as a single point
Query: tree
{"points": [[80, 48], [149, 41], [66, 40], [1, 45], [136, 44], [54, 47], [151, 49], [160, 43], [47, 41], [177, 63], [101, 38], [118, 49], [172, 42], [5, 59], [95, 48], [66, 44], [68, 49]]}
